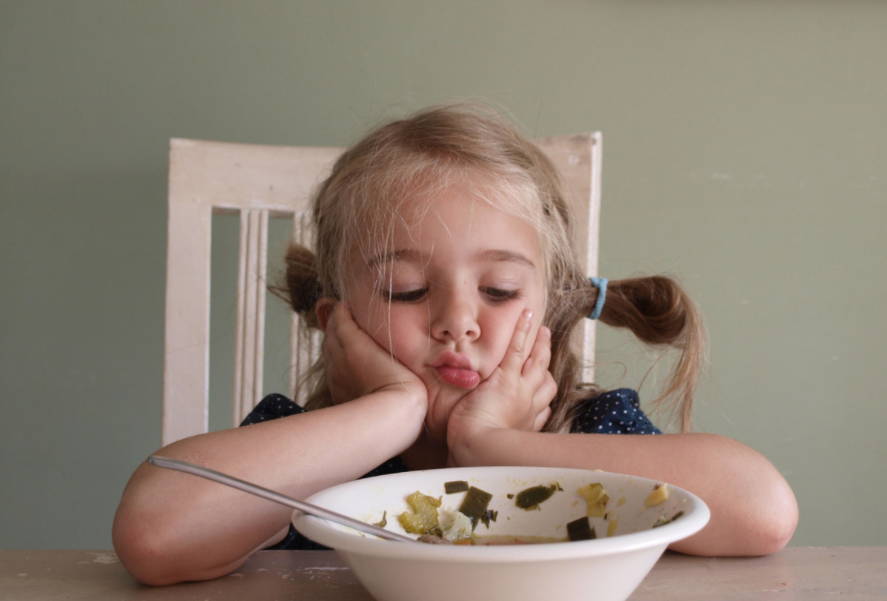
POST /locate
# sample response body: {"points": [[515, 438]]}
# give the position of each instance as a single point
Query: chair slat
{"points": [[186, 336], [250, 340]]}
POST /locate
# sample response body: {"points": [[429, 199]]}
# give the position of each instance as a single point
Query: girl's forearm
{"points": [[172, 527], [753, 509]]}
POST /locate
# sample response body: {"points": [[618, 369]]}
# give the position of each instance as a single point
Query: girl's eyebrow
{"points": [[395, 255], [507, 256], [414, 256]]}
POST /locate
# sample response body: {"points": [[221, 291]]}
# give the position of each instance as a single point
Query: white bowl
{"points": [[608, 568]]}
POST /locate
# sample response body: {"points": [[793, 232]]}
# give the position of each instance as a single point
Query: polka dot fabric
{"points": [[614, 412]]}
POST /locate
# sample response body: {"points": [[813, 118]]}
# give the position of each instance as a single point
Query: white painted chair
{"points": [[258, 182]]}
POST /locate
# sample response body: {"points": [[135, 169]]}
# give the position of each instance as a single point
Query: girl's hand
{"points": [[354, 363], [517, 394]]}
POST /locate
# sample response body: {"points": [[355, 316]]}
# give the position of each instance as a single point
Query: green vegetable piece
{"points": [[454, 487], [384, 521], [423, 520], [474, 505], [489, 516], [666, 520], [531, 497], [580, 530]]}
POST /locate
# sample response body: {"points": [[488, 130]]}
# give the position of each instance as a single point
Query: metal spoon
{"points": [[203, 472]]}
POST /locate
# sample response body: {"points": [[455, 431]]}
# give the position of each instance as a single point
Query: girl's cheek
{"points": [[387, 328], [371, 320], [401, 340]]}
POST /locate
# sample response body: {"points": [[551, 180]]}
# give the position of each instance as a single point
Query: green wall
{"points": [[745, 151]]}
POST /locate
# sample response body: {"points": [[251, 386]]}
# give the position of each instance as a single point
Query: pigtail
{"points": [[659, 312], [301, 287], [655, 309]]}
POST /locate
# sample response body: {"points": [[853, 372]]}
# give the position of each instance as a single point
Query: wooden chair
{"points": [[258, 182]]}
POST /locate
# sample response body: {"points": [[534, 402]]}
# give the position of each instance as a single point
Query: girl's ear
{"points": [[323, 309]]}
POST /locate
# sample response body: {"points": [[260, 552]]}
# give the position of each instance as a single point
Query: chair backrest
{"points": [[257, 182]]}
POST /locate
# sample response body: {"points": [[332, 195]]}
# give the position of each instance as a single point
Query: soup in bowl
{"points": [[531, 533]]}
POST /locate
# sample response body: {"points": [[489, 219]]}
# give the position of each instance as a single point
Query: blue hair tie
{"points": [[601, 285]]}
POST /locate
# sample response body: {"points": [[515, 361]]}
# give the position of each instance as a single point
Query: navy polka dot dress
{"points": [[614, 412]]}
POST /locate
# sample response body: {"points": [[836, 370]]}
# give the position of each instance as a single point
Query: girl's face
{"points": [[445, 299]]}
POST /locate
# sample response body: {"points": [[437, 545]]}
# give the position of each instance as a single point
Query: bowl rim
{"points": [[331, 535]]}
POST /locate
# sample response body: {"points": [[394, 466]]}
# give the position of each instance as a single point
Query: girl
{"points": [[447, 289]]}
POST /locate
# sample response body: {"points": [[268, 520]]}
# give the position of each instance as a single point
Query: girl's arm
{"points": [[753, 510], [172, 527]]}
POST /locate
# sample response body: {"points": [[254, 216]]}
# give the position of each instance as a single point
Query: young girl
{"points": [[447, 290]]}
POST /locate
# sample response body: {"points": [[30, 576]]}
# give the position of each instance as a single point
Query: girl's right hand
{"points": [[516, 396], [355, 364]]}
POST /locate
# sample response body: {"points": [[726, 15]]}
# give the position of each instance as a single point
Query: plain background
{"points": [[745, 152]]}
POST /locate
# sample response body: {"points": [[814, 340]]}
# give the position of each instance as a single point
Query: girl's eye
{"points": [[408, 296], [499, 295]]}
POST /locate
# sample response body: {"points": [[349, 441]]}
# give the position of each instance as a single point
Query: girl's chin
{"points": [[439, 410]]}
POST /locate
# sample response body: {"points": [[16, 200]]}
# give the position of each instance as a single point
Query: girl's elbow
{"points": [[768, 508], [766, 521], [141, 551], [780, 519], [150, 551], [758, 517], [762, 527], [155, 554]]}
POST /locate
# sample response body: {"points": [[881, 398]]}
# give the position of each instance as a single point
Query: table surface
{"points": [[809, 573]]}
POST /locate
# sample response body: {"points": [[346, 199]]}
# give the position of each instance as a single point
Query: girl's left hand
{"points": [[517, 394]]}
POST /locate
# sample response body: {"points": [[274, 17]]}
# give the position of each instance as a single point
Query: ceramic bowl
{"points": [[607, 568]]}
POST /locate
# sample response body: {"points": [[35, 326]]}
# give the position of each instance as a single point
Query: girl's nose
{"points": [[455, 319]]}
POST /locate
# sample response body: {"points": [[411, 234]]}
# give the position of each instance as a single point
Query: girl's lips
{"points": [[454, 368], [458, 376]]}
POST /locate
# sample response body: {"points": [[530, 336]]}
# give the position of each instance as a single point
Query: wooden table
{"points": [[808, 573]]}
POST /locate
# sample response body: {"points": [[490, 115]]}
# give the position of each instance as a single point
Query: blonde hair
{"points": [[401, 166]]}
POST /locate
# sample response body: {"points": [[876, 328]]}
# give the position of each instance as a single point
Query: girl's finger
{"points": [[542, 419], [545, 393], [515, 355], [540, 355]]}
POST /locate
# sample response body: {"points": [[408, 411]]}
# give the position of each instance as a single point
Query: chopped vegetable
{"points": [[597, 499], [475, 503], [456, 486], [592, 492], [423, 520], [531, 497], [580, 530], [455, 526], [659, 495], [611, 527], [489, 516], [384, 520], [667, 520]]}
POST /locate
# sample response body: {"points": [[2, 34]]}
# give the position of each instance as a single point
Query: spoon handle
{"points": [[203, 472]]}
